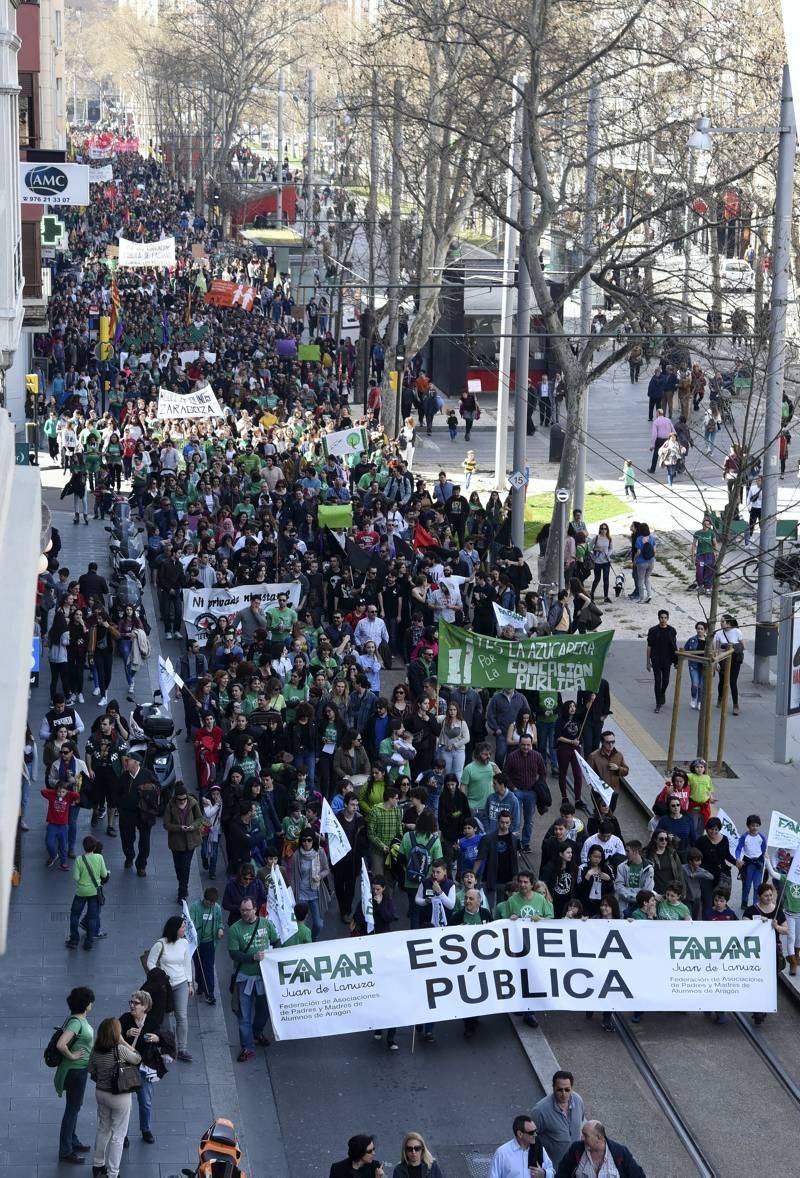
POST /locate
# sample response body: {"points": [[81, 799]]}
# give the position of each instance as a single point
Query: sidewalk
{"points": [[38, 971]]}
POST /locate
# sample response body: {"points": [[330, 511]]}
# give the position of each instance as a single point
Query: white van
{"points": [[736, 274]]}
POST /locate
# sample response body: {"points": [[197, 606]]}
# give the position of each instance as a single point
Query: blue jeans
{"points": [[546, 735], [527, 800], [696, 679], [124, 648], [316, 917], [92, 918], [74, 1088], [252, 1016], [144, 1096], [208, 856], [500, 748], [56, 840], [204, 967], [671, 472], [305, 759], [751, 878]]}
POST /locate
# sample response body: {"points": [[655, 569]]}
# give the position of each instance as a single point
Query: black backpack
{"points": [[418, 862], [647, 551], [52, 1056]]}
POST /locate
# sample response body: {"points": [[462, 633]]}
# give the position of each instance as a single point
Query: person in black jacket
{"points": [[137, 800], [662, 645], [243, 838], [360, 1161], [599, 1147], [141, 1030], [498, 858]]}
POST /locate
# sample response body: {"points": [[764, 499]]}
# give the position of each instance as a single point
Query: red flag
{"points": [[423, 539]]}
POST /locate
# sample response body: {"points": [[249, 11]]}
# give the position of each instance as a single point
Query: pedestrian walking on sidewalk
{"points": [[206, 917], [75, 1046], [468, 409], [183, 822], [629, 479], [662, 645], [170, 953], [90, 874]]}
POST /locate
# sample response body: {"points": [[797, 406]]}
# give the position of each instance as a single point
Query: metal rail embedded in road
{"points": [[669, 1108], [766, 1056]]}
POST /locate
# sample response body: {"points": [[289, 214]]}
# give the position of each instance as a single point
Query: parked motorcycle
{"points": [[152, 730]]}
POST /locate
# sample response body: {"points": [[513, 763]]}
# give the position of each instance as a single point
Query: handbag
{"points": [[736, 647], [101, 896], [125, 1077], [236, 1005], [143, 958]]}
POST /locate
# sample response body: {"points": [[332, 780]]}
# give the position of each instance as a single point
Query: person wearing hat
{"points": [[183, 822], [137, 800]]}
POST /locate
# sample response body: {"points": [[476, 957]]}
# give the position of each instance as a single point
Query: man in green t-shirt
{"points": [[75, 1046], [548, 705], [478, 777], [281, 618], [249, 940], [525, 903], [704, 555]]}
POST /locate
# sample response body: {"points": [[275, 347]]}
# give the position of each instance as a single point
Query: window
{"points": [[59, 96], [59, 34]]}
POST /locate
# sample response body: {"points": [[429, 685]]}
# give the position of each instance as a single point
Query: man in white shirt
{"points": [[371, 629], [513, 1160]]}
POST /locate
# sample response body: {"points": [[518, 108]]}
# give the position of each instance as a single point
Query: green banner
{"points": [[568, 662], [309, 352], [337, 515]]}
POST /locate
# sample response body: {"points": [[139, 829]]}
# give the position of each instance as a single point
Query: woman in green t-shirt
{"points": [[75, 1046]]}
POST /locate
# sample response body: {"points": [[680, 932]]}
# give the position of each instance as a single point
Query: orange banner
{"points": [[230, 294]]}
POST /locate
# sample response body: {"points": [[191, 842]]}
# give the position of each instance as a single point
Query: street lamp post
{"points": [[701, 139], [510, 250], [589, 206]]}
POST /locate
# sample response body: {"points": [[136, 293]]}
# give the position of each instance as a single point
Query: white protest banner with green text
{"points": [[432, 975]]}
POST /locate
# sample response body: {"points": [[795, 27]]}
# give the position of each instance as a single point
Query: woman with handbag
{"points": [[114, 1067], [730, 637], [171, 953], [141, 1032]]}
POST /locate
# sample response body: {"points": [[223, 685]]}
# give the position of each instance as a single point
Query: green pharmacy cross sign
{"points": [[53, 230]]}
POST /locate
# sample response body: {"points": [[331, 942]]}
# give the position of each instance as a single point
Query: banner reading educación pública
{"points": [[557, 662], [410, 977]]}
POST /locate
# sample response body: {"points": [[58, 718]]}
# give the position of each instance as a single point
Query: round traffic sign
{"points": [[562, 494]]}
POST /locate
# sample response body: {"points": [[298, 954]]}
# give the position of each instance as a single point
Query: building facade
{"points": [[11, 274]]}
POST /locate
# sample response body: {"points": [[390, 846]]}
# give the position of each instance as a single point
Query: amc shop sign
{"points": [[54, 184]]}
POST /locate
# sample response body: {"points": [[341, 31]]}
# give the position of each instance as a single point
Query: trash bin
{"points": [[766, 638], [556, 443], [32, 438]]}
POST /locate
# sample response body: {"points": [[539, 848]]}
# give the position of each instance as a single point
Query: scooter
{"points": [[125, 589], [151, 732], [219, 1153]]}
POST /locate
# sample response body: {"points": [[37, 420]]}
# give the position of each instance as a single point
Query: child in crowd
{"points": [[470, 465], [468, 847], [629, 479], [452, 424]]}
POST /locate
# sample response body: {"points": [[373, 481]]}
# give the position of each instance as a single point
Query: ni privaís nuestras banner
{"points": [[557, 662], [432, 975]]}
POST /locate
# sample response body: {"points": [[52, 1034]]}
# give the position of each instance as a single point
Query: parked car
{"points": [[736, 274]]}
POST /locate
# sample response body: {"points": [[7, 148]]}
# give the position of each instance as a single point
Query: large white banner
{"points": [[102, 174], [201, 402], [100, 153], [147, 253], [783, 831], [54, 184], [228, 602], [433, 975]]}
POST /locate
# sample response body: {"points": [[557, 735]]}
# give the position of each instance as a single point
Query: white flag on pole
{"points": [[168, 679], [728, 827], [366, 898], [596, 782], [338, 843], [507, 617], [189, 928], [280, 905], [783, 831]]}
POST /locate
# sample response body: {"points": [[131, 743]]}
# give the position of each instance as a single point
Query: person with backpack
{"points": [[68, 1052], [644, 559], [558, 615], [418, 849]]}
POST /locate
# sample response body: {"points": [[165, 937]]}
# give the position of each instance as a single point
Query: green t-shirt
{"points": [[301, 937], [667, 911], [534, 905], [239, 935], [704, 541], [791, 897], [80, 873], [281, 620], [84, 1038], [547, 705], [478, 779]]}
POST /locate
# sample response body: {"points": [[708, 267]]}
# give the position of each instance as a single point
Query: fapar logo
{"points": [[46, 181], [315, 969], [714, 948]]}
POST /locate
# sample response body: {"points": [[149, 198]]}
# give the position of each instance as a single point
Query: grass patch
{"points": [[483, 240], [599, 506]]}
